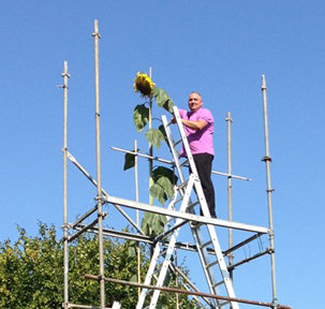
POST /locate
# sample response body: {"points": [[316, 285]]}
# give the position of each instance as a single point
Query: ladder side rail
{"points": [[172, 148], [172, 203], [203, 254], [189, 286], [217, 249], [157, 250], [172, 244], [149, 275], [204, 258], [196, 231], [222, 266], [186, 145], [153, 262], [206, 213]]}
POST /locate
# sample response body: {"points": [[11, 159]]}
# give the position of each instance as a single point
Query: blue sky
{"points": [[219, 48]]}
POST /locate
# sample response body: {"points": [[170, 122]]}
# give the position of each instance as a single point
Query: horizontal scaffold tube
{"points": [[143, 155], [173, 290], [186, 216]]}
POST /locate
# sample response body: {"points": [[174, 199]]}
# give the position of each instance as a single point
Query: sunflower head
{"points": [[143, 84]]}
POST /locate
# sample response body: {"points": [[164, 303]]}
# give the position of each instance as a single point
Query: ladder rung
{"points": [[176, 143], [224, 303], [206, 244], [212, 264], [217, 284], [170, 219], [182, 185], [162, 252], [184, 163], [177, 201], [193, 204]]}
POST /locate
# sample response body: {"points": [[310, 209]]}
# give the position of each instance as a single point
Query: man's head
{"points": [[194, 101]]}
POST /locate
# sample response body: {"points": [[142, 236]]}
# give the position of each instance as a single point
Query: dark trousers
{"points": [[203, 163]]}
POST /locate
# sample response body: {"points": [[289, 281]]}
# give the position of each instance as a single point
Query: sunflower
{"points": [[143, 84]]}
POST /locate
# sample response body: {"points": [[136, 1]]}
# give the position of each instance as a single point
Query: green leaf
{"points": [[131, 252], [163, 300], [167, 186], [140, 116], [157, 191], [163, 99], [153, 224], [163, 187], [168, 278], [154, 136], [166, 172], [129, 160], [163, 132], [134, 278]]}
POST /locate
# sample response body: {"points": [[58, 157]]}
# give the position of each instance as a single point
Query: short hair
{"points": [[197, 93]]}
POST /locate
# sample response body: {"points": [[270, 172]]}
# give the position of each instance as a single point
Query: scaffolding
{"points": [[71, 231]]}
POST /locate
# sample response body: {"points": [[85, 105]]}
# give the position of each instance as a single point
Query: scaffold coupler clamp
{"points": [[100, 199], [271, 233], [270, 250], [267, 158], [65, 227], [275, 304]]}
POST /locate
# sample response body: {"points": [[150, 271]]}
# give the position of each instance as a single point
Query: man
{"points": [[198, 125]]}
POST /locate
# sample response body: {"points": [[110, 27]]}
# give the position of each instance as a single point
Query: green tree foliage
{"points": [[31, 272]]}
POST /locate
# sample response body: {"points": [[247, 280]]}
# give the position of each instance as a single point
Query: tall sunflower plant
{"points": [[163, 177]]}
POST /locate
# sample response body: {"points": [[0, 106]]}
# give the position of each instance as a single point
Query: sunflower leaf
{"points": [[129, 160], [162, 130], [167, 186], [153, 224], [140, 116], [161, 171], [163, 99], [157, 191], [154, 136]]}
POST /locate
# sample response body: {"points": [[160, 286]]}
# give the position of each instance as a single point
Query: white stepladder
{"points": [[184, 190]]}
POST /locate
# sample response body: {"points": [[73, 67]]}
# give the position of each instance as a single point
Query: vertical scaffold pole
{"points": [[151, 155], [150, 145], [65, 76], [230, 231], [267, 159], [100, 200], [136, 178]]}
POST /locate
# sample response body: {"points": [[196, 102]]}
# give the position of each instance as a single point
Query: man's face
{"points": [[194, 102]]}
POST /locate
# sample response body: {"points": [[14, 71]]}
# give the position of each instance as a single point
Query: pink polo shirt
{"points": [[201, 141]]}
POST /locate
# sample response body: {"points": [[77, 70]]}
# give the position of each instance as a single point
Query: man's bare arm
{"points": [[196, 125]]}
